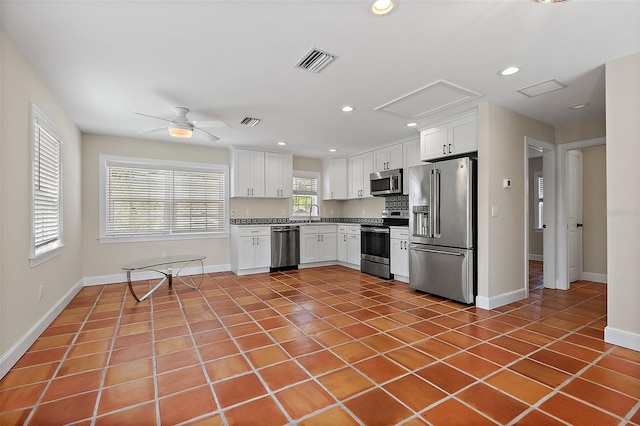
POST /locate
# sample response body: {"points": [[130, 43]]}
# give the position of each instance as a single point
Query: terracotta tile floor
{"points": [[323, 346]]}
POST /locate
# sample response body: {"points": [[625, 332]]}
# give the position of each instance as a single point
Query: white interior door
{"points": [[549, 211], [574, 216]]}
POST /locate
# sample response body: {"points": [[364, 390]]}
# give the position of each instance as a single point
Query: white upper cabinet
{"points": [[261, 174], [451, 137], [278, 175], [360, 167], [247, 173], [411, 158], [334, 179], [387, 158]]}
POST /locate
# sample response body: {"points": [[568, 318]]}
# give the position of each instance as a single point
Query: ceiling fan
{"points": [[180, 126]]}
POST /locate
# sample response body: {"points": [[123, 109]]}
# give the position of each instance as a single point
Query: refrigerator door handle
{"points": [[417, 248], [436, 204]]}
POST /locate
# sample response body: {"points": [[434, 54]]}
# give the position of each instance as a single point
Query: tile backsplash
{"points": [[396, 202]]}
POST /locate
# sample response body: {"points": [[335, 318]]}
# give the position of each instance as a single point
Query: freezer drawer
{"points": [[442, 271]]}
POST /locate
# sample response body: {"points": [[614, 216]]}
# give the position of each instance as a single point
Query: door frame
{"points": [[549, 250], [562, 207]]}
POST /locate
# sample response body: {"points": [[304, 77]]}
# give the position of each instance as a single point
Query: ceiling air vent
{"points": [[315, 60], [249, 121]]}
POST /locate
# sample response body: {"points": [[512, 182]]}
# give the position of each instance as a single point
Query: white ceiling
{"points": [[226, 60]]}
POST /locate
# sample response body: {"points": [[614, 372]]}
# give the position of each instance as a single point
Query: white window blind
{"points": [[149, 200], [538, 215], [305, 193], [46, 187]]}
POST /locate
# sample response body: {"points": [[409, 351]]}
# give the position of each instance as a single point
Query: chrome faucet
{"points": [[311, 211]]}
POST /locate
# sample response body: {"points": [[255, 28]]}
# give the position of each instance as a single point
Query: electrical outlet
{"points": [[233, 212], [40, 292], [331, 212], [363, 212], [248, 212]]}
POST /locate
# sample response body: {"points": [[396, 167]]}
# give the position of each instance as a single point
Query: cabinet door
{"points": [[342, 247], [272, 181], [395, 157], [334, 179], [463, 135], [400, 257], [355, 177], [433, 143], [309, 248], [411, 158], [354, 249], [329, 247], [246, 252], [380, 159], [263, 252], [248, 173], [367, 169], [286, 175]]}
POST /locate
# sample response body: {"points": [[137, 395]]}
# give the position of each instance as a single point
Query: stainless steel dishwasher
{"points": [[285, 247]]}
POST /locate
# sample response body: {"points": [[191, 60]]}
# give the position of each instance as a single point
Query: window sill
{"points": [[148, 238], [46, 256]]}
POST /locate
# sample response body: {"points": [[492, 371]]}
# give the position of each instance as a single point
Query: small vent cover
{"points": [[249, 121], [315, 61], [542, 88]]}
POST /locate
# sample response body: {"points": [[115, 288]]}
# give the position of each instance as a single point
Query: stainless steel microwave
{"points": [[387, 182]]}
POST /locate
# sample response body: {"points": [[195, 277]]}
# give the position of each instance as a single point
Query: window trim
{"points": [[50, 250], [306, 174], [167, 164]]}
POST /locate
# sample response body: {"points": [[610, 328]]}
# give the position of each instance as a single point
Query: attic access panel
{"points": [[429, 99]]}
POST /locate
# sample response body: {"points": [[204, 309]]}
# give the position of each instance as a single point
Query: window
{"points": [[46, 188], [305, 193], [538, 211], [146, 199]]}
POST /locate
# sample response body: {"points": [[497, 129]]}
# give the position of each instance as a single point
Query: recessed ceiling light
{"points": [[579, 106], [347, 108], [382, 7], [282, 143], [412, 124], [332, 150], [509, 71]]}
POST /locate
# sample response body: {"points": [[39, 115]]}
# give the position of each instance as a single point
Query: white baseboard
{"points": [[349, 265], [536, 257], [150, 275], [316, 264], [591, 276], [622, 338], [11, 357], [251, 271], [489, 303]]}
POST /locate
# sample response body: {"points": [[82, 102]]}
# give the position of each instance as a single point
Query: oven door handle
{"points": [[376, 230]]}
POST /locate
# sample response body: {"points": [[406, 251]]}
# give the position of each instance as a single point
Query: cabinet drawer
{"points": [[254, 231], [354, 230], [343, 228], [400, 234], [318, 229]]}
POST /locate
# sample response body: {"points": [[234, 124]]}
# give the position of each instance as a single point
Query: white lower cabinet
{"points": [[318, 243], [349, 245], [250, 249], [400, 253]]}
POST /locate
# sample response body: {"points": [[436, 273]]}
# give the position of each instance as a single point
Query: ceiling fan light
{"points": [[181, 132]]}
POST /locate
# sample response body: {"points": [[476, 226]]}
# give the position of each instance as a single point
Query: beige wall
{"points": [[536, 240], [501, 243], [594, 206], [19, 283], [623, 199], [365, 207], [591, 128], [107, 258]]}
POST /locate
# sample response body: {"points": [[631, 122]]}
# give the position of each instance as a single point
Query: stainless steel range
{"points": [[375, 243]]}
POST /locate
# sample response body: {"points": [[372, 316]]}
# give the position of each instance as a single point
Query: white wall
{"points": [[623, 201], [501, 240], [20, 307], [104, 259]]}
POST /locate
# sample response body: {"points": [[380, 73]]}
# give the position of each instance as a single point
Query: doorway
{"points": [[540, 218], [582, 249]]}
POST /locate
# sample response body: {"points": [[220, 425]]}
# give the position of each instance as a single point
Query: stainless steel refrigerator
{"points": [[441, 224]]}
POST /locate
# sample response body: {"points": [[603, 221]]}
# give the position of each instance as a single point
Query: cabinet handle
{"points": [[321, 237], [345, 237], [444, 149], [257, 241], [252, 192], [248, 192], [449, 148], [331, 194]]}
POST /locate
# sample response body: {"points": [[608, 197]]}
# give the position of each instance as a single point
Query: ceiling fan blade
{"points": [[151, 116], [153, 130], [211, 136], [209, 124]]}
